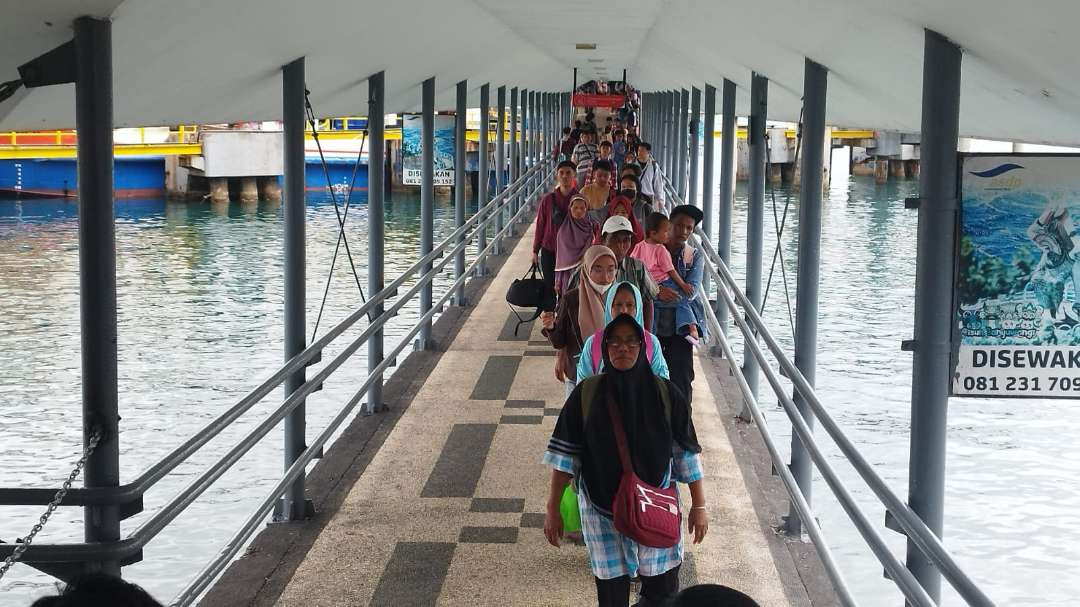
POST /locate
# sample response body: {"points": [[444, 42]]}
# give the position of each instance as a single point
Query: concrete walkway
{"points": [[450, 509]]}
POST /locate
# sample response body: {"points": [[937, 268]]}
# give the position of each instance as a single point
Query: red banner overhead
{"points": [[585, 100]]}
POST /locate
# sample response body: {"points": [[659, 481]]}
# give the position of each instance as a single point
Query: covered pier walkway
{"points": [[439, 499]]}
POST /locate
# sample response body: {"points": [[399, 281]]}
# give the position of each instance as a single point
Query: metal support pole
{"points": [[482, 165], [815, 81], [707, 189], [459, 186], [661, 127], [515, 166], [292, 506], [526, 139], [500, 161], [665, 139], [376, 228], [727, 184], [695, 143], [427, 199], [933, 296], [755, 221], [526, 128], [673, 136], [680, 141], [97, 274]]}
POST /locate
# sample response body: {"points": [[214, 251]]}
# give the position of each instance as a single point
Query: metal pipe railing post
{"points": [[526, 139], [672, 134], [755, 221], [815, 81], [459, 185], [707, 189], [515, 166], [427, 198], [933, 295], [695, 143], [376, 228], [97, 274], [729, 137], [292, 505], [482, 166], [500, 162], [681, 142]]}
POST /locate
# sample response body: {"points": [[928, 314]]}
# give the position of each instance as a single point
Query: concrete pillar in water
{"points": [[270, 189], [776, 173], [913, 169], [219, 189], [249, 189], [896, 169], [881, 170]]}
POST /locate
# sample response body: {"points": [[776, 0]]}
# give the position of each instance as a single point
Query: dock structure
{"points": [[434, 492]]}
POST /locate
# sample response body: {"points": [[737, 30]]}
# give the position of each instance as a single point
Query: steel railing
{"points": [[515, 201], [753, 327]]}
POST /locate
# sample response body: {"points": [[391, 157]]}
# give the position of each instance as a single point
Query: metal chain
{"points": [[95, 438]]}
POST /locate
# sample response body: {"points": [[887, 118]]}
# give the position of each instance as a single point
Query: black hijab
{"points": [[650, 435]]}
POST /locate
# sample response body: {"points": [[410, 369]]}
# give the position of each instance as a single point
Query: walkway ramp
{"points": [[450, 509]]}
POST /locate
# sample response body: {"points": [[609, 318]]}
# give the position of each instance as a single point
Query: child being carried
{"points": [[653, 253]]}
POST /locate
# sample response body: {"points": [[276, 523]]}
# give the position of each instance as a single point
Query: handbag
{"points": [[530, 291], [648, 515]]}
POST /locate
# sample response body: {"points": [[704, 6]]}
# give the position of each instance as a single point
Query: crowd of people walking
{"points": [[625, 327]]}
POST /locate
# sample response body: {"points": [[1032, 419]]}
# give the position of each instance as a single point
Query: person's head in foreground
{"points": [[711, 595], [99, 590]]}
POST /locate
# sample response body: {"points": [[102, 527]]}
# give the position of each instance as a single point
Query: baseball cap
{"points": [[616, 223]]}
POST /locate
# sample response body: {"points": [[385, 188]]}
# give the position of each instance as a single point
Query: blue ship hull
{"points": [[133, 177], [143, 177]]}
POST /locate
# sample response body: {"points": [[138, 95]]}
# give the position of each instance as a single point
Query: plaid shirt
{"points": [[612, 554]]}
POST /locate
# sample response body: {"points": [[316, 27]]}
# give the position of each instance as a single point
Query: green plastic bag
{"points": [[568, 507]]}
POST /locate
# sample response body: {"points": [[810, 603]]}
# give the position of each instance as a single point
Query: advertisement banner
{"points": [[1017, 296], [587, 100], [411, 149]]}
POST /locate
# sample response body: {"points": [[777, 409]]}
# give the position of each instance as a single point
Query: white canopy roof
{"points": [[204, 62]]}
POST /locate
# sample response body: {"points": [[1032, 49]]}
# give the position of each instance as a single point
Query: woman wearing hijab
{"points": [[622, 298], [575, 234], [580, 312], [623, 206], [663, 449]]}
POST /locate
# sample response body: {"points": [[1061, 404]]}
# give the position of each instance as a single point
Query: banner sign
{"points": [[587, 100], [1017, 294], [412, 149]]}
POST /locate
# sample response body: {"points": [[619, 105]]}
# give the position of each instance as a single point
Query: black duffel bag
{"points": [[530, 291]]}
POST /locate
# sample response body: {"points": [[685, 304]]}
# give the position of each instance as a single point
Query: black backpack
{"points": [[530, 291]]}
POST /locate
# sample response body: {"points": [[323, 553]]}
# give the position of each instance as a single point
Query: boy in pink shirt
{"points": [[653, 253]]}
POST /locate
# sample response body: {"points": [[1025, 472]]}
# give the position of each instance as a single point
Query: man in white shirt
{"points": [[652, 179]]}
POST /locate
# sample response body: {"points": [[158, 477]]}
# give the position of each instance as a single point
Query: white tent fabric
{"points": [[204, 62]]}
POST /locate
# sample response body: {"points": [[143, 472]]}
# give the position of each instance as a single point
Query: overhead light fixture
{"points": [[592, 60], [585, 46]]}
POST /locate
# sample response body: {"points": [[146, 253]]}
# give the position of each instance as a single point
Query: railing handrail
{"points": [[128, 492], [210, 572], [915, 529], [130, 545]]}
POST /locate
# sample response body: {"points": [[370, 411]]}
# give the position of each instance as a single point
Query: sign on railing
{"points": [[1017, 294]]}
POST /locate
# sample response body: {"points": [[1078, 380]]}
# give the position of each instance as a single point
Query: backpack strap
{"points": [[596, 351], [589, 386], [665, 397]]}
